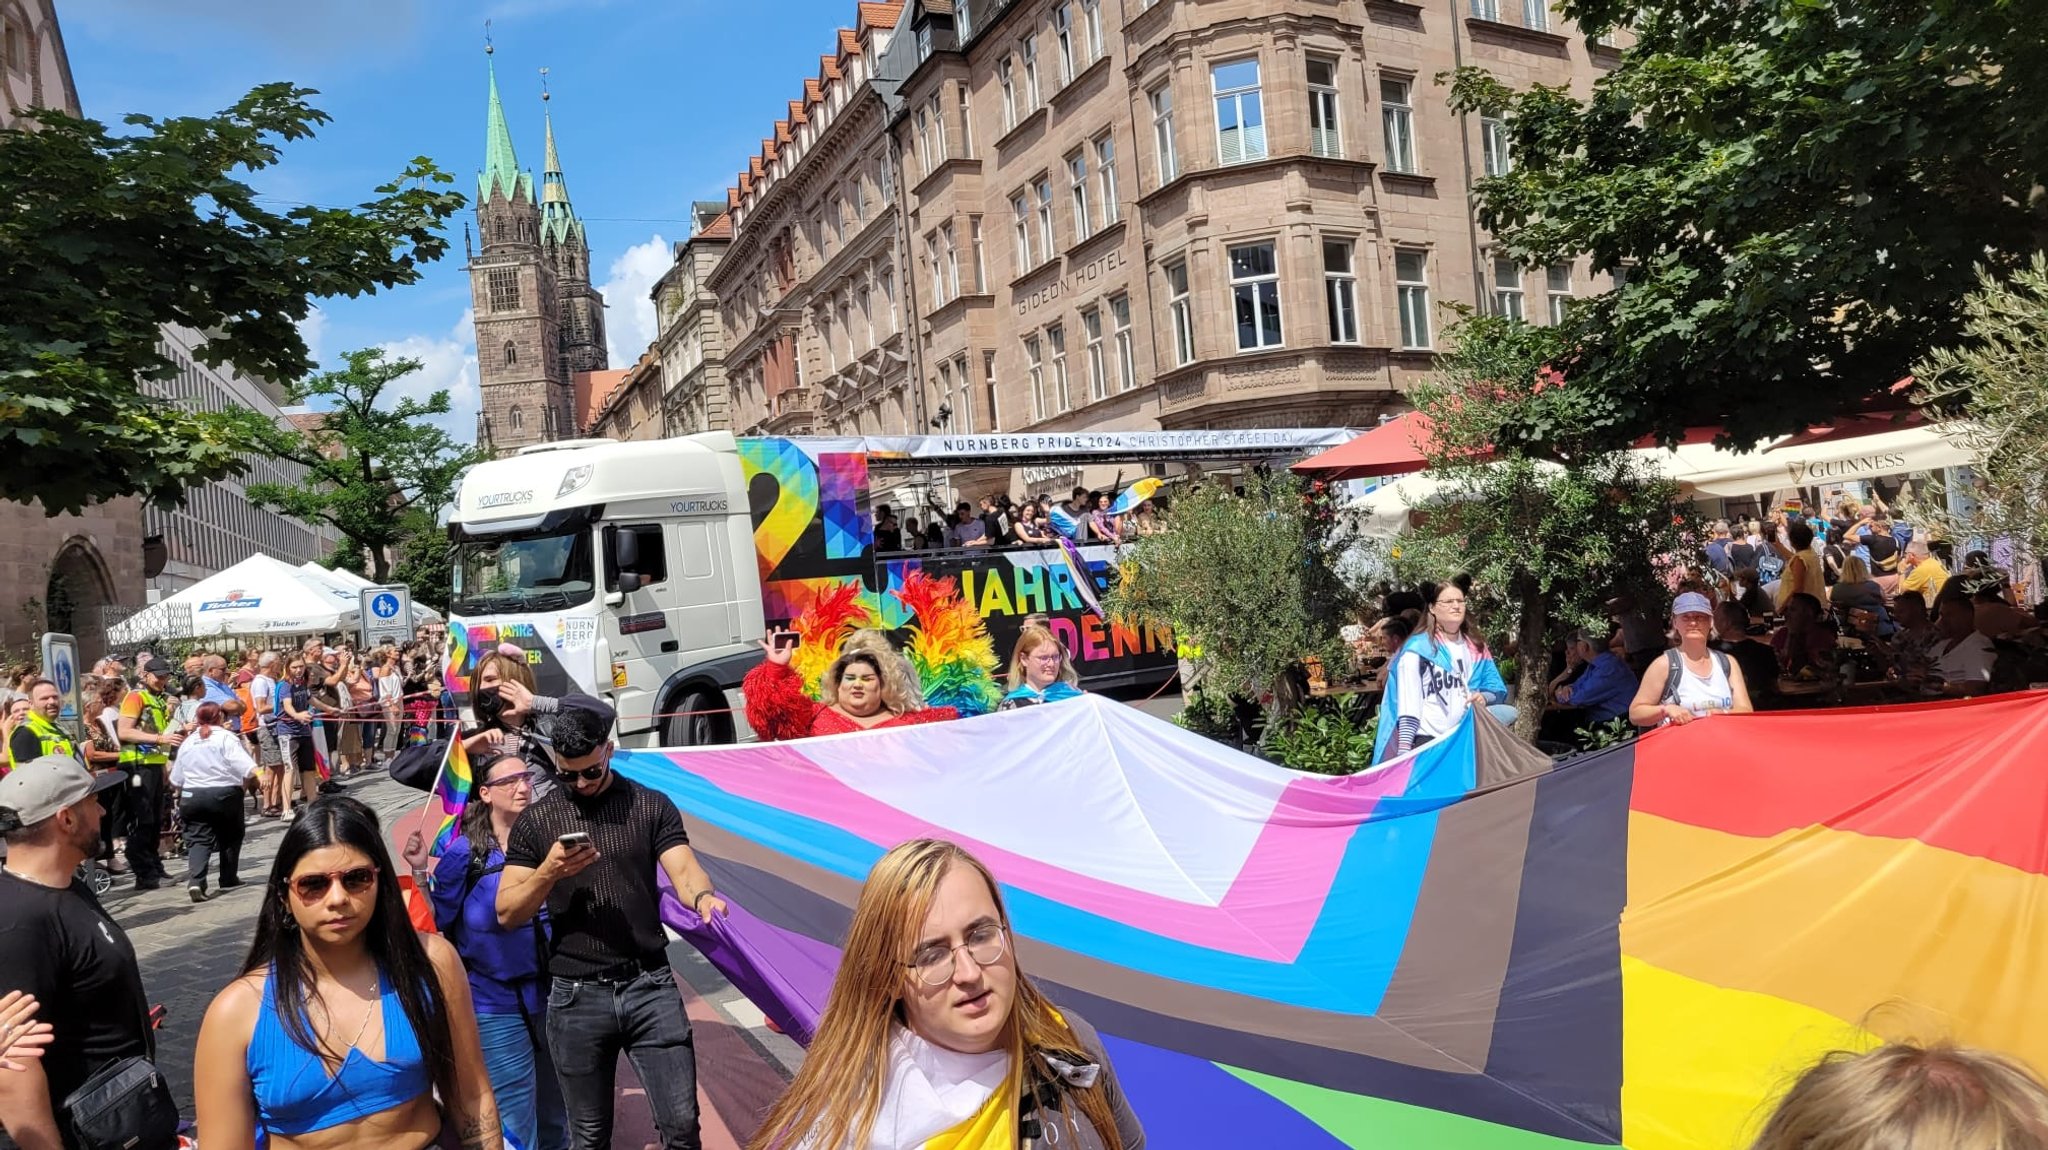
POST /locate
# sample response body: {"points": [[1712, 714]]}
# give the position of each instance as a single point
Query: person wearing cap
{"points": [[1692, 679], [147, 738], [59, 945], [38, 734], [611, 989]]}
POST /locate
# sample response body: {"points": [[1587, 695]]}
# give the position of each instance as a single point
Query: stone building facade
{"points": [[538, 321], [56, 572], [809, 290], [631, 409], [691, 344]]}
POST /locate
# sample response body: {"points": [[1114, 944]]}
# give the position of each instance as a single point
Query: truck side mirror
{"points": [[625, 550], [629, 582]]}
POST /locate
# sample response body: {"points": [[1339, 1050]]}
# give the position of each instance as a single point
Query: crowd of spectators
{"points": [[1002, 521]]}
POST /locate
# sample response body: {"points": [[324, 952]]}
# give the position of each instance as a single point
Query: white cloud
{"points": [[447, 363], [313, 329], [629, 315]]}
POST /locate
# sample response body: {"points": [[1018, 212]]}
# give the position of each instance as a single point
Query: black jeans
{"points": [[145, 798], [589, 1023], [214, 822]]}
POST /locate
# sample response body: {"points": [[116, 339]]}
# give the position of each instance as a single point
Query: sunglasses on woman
{"points": [[313, 887]]}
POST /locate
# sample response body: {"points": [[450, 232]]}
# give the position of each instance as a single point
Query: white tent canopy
{"points": [[1705, 470], [258, 596], [352, 583]]}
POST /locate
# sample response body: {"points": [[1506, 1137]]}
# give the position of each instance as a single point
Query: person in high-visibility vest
{"points": [[147, 739], [38, 733]]}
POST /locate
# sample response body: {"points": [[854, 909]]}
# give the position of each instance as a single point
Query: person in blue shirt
{"points": [[506, 965], [1441, 670], [1040, 671], [1604, 688]]}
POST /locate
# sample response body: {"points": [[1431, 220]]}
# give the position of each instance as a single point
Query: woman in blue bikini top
{"points": [[345, 1024]]}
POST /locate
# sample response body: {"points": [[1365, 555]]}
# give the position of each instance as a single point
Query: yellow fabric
{"points": [[1802, 573], [53, 740], [158, 709], [1925, 579], [993, 1127]]}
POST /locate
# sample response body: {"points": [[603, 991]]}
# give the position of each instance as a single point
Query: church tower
{"points": [[563, 245]]}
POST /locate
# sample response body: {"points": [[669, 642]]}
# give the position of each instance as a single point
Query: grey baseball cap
{"points": [[41, 787]]}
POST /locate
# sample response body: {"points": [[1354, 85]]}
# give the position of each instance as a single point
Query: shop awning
{"points": [[1395, 447], [1811, 460]]}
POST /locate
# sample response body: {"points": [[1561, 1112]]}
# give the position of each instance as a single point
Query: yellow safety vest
{"points": [[132, 754], [53, 740]]}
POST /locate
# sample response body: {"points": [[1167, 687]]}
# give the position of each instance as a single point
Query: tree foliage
{"points": [[426, 563], [1797, 189], [377, 467], [1248, 579], [107, 237], [1547, 544], [1991, 393]]}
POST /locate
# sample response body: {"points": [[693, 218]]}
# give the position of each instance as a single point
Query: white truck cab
{"points": [[625, 571]]}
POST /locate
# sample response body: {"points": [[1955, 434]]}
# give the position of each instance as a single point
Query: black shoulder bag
{"points": [[125, 1105]]}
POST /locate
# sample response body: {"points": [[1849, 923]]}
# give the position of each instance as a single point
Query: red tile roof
{"points": [[849, 43], [828, 67], [592, 389], [718, 229], [884, 15]]}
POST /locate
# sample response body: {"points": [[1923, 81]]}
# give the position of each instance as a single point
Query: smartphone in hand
{"points": [[575, 840], [785, 640]]}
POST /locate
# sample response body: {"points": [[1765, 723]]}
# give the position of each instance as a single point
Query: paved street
{"points": [[189, 952]]}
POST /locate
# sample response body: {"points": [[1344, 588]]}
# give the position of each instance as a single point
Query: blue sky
{"points": [[655, 104]]}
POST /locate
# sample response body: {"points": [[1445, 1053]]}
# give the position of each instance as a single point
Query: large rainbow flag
{"points": [[1467, 947]]}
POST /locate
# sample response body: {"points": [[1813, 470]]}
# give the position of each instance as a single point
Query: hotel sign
{"points": [[1073, 281]]}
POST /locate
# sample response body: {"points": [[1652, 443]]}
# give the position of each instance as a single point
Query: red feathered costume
{"points": [[778, 709]]}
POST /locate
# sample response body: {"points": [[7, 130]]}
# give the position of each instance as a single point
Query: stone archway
{"points": [[80, 587]]}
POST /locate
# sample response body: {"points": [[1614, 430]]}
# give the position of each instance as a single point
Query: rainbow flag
{"points": [[1469, 946], [454, 784]]}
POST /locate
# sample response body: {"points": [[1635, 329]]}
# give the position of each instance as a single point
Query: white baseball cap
{"points": [[41, 787]]}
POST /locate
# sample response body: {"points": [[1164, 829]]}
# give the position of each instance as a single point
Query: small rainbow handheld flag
{"points": [[455, 782]]}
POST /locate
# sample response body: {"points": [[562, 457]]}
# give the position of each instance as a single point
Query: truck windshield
{"points": [[523, 573]]}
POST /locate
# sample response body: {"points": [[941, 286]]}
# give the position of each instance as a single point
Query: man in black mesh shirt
{"points": [[588, 852]]}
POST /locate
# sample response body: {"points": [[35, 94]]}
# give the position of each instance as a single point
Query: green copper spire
{"points": [[501, 165], [558, 222]]}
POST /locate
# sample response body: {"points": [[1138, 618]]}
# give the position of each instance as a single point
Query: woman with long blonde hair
{"points": [[932, 1028], [1041, 671]]}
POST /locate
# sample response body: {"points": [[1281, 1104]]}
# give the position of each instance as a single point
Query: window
{"points": [[651, 563], [1056, 337], [1411, 286], [860, 200], [1493, 146], [980, 269], [1045, 243], [1161, 99], [966, 122], [1029, 51], [1077, 181], [1126, 356], [1022, 211], [1507, 289], [1063, 41], [1034, 362], [516, 417], [923, 129], [988, 379], [1558, 288], [965, 27], [1183, 316], [1486, 9], [1535, 14], [946, 385], [1240, 125], [1091, 18], [1255, 296], [951, 253], [1398, 117], [504, 289], [938, 129], [886, 177], [1009, 88], [966, 393], [511, 354], [931, 260], [1340, 291], [1098, 373], [1105, 178], [1323, 138]]}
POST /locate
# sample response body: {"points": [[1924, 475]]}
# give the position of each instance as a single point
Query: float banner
{"points": [[1465, 947]]}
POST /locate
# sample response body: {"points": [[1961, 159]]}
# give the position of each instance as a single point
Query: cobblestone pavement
{"points": [[189, 951]]}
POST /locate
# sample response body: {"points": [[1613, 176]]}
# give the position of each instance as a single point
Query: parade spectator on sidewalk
{"points": [[345, 1023], [213, 672], [868, 691], [269, 759], [933, 1023], [37, 733], [1692, 679], [210, 772], [147, 737], [507, 966], [1442, 669], [1603, 690], [588, 853], [1964, 658], [1925, 575], [390, 703], [59, 945], [1803, 573], [1040, 671], [295, 733]]}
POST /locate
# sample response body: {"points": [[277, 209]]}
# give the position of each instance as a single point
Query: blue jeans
{"points": [[590, 1023], [523, 1078]]}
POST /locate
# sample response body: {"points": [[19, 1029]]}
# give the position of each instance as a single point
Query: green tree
{"points": [[426, 562], [1547, 544], [1797, 190], [1991, 393], [107, 237], [1249, 579], [377, 467]]}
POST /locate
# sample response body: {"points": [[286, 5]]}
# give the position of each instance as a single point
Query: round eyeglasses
{"points": [[935, 963]]}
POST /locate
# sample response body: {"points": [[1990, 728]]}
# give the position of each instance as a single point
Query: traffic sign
{"points": [[386, 614], [60, 663]]}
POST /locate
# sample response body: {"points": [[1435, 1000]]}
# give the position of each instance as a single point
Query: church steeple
{"points": [[558, 222], [501, 172]]}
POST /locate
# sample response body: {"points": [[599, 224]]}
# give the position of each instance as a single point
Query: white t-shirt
{"points": [[263, 692], [390, 687], [1705, 696], [1969, 661], [1434, 695]]}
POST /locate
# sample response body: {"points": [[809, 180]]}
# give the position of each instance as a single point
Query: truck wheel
{"points": [[697, 729]]}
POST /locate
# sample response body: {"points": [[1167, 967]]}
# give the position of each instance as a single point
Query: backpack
{"points": [[1674, 671]]}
